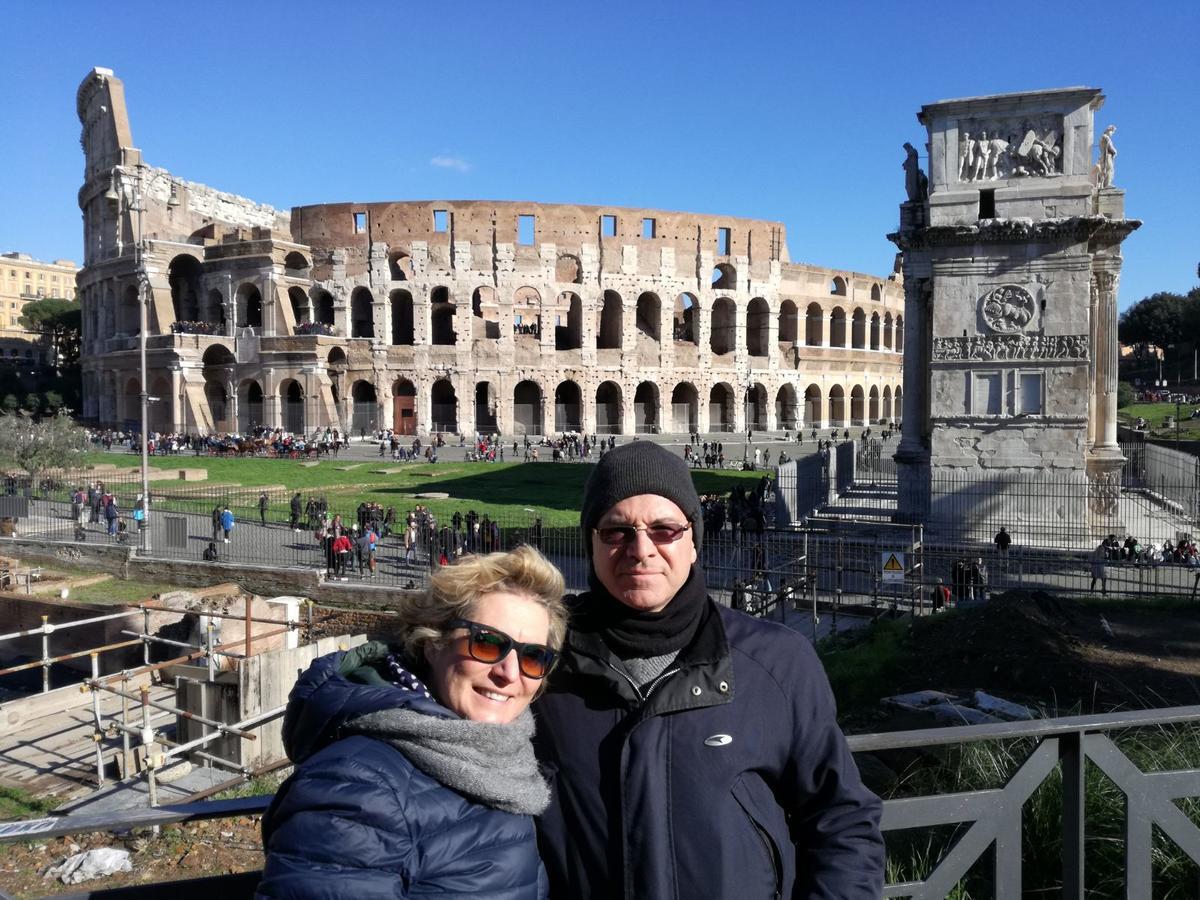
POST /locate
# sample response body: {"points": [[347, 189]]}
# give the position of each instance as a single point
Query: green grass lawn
{"points": [[504, 490], [1156, 413]]}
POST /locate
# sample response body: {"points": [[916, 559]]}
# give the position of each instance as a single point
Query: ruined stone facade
{"points": [[460, 316]]}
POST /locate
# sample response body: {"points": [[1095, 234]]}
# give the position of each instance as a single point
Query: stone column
{"points": [[231, 404], [916, 367], [1104, 350]]}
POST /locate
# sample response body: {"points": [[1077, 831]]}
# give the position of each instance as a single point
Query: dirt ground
{"points": [[196, 850], [1038, 648]]}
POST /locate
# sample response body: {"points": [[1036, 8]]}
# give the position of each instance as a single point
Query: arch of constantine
{"points": [[460, 316]]}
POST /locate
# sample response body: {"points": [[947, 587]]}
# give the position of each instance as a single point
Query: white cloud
{"points": [[451, 162]]}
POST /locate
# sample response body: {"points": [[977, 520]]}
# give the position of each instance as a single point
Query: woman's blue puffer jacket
{"points": [[357, 819]]}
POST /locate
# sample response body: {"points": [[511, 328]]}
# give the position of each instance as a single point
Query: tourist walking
{"points": [[227, 522], [415, 774], [1099, 557], [295, 509]]}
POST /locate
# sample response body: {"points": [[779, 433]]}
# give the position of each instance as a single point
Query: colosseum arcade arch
{"points": [[756, 407], [443, 406], [873, 405], [812, 407], [685, 327], [568, 407], [814, 325], [527, 408], [886, 412], [837, 406], [887, 331], [486, 407], [441, 312], [400, 266], [183, 275], [898, 340], [128, 318], [364, 415], [301, 309], [527, 315], [403, 332], [858, 407], [291, 396], [249, 306], [788, 320], [685, 405], [567, 270], [875, 336], [608, 332], [758, 327], [898, 405], [723, 330], [485, 314], [724, 277], [217, 398], [296, 265], [720, 408], [568, 330], [362, 317], [645, 409], [404, 407], [250, 406], [322, 305], [858, 330], [608, 409], [786, 408], [837, 327], [649, 316], [130, 405]]}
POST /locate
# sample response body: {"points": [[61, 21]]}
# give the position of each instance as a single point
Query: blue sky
{"points": [[789, 111]]}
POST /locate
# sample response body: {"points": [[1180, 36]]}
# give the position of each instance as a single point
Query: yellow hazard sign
{"points": [[893, 565]]}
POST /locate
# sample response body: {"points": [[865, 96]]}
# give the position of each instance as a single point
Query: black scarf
{"points": [[631, 633]]}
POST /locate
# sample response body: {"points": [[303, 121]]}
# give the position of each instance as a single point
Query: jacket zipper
{"points": [[642, 698]]}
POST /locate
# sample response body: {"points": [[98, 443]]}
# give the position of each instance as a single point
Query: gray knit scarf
{"points": [[490, 764]]}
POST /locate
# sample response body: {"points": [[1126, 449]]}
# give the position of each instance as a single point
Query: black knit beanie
{"points": [[639, 467]]}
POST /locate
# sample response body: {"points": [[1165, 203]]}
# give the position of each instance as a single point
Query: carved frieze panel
{"points": [[991, 149], [989, 348], [1007, 309]]}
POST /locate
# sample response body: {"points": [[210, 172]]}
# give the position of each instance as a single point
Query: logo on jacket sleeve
{"points": [[718, 740]]}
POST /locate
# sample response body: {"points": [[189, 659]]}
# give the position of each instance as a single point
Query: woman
{"points": [[415, 768]]}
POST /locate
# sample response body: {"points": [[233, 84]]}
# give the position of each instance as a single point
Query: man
{"points": [[264, 501], [694, 750], [294, 509]]}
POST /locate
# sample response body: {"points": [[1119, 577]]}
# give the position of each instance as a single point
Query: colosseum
{"points": [[458, 316]]}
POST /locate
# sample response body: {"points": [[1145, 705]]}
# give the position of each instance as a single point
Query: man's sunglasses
{"points": [[490, 645], [620, 535]]}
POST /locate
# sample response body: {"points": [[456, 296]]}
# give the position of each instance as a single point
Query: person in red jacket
{"points": [[342, 548]]}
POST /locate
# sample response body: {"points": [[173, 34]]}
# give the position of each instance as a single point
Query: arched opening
{"points": [[218, 357], [291, 395], [130, 405], [858, 330], [837, 286], [724, 277], [756, 407], [527, 316], [402, 318], [486, 421], [788, 322], [362, 318], [400, 267], [568, 334], [183, 275], [812, 406], [443, 405], [837, 327], [814, 325], [758, 325], [874, 331], [898, 406], [217, 399], [786, 408], [364, 417], [128, 320], [442, 317], [837, 406], [645, 408], [404, 407], [685, 403], [857, 406], [485, 313], [887, 331], [684, 324], [301, 310], [723, 327], [876, 294], [295, 265], [527, 408], [886, 411], [213, 310], [160, 412], [649, 314], [249, 307], [720, 408], [250, 406], [873, 406], [608, 334], [568, 407], [567, 270], [899, 345], [608, 408], [322, 306]]}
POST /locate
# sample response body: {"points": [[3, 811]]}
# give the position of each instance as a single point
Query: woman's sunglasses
{"points": [[490, 645], [620, 535]]}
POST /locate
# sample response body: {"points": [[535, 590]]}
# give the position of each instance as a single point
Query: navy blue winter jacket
{"points": [[728, 777], [357, 819]]}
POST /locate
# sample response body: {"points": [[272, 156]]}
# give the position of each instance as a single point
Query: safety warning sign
{"points": [[893, 565]]}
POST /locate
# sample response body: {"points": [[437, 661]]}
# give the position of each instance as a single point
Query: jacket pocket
{"points": [[770, 848]]}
